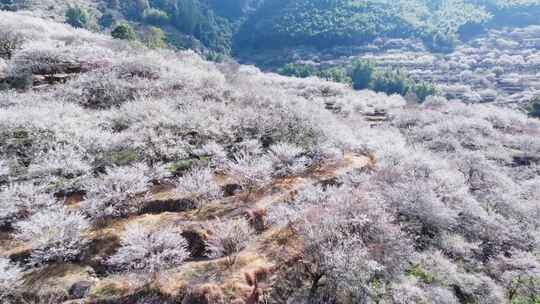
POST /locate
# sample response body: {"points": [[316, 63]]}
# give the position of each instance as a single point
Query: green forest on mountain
{"points": [[236, 25], [233, 26]]}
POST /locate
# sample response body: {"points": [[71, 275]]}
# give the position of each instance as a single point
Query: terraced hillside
{"points": [[131, 175], [501, 66]]}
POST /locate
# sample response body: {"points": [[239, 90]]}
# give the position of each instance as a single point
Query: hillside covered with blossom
{"points": [[138, 175]]}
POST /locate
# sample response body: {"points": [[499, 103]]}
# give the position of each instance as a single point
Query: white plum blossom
{"points": [[18, 200], [287, 159], [9, 274], [55, 234], [199, 184], [443, 209], [63, 161], [4, 168], [250, 171], [150, 251], [228, 238], [114, 194]]}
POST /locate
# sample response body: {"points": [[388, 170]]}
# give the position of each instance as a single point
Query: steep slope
{"points": [[131, 175]]}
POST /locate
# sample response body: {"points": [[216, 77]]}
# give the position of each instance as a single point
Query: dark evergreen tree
{"points": [[134, 9], [77, 17], [124, 31], [361, 74], [535, 109]]}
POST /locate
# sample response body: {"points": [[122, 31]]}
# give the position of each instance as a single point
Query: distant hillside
{"points": [[322, 23], [244, 26]]}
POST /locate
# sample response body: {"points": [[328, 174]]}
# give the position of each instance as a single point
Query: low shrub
{"points": [[10, 42], [228, 238], [147, 251], [55, 234], [117, 192], [199, 185]]}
